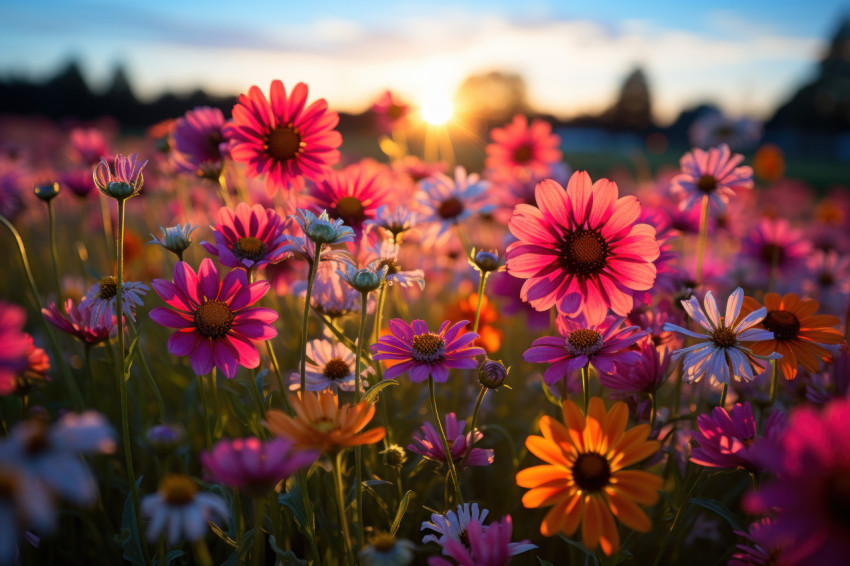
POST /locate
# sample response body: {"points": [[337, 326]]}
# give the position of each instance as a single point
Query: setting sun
{"points": [[436, 109]]}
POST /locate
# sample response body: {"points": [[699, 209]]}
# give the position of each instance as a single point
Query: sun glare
{"points": [[436, 109]]}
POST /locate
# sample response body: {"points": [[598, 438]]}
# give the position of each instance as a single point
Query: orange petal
{"points": [[638, 485], [573, 513], [555, 432], [538, 476], [618, 418], [610, 538], [823, 336], [627, 512], [806, 308], [552, 521], [789, 302], [591, 526], [573, 417], [772, 301], [544, 497], [819, 321], [546, 450]]}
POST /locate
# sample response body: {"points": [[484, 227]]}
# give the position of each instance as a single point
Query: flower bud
{"points": [[321, 233], [394, 456], [119, 190], [492, 374], [165, 438], [486, 261], [47, 191], [366, 280]]}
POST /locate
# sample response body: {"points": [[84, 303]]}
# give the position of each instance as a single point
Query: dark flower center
{"points": [[336, 369], [784, 324], [213, 319], [178, 490], [522, 154], [428, 348], [724, 132], [837, 496], [108, 288], [724, 337], [250, 247], [283, 143], [36, 438], [707, 184], [591, 471], [350, 210], [464, 538], [214, 140], [392, 267], [583, 252], [772, 254], [585, 341], [826, 279], [395, 111], [450, 208], [9, 484]]}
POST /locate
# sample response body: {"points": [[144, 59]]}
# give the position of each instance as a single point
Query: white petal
{"points": [[733, 306]]}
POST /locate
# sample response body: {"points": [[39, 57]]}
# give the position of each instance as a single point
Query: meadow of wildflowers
{"points": [[320, 359]]}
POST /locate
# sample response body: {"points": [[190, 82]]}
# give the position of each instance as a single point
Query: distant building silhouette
{"points": [[632, 110]]}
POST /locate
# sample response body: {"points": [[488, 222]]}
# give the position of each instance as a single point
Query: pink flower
{"points": [[424, 353], [390, 113], [606, 347], [582, 249], [89, 144], [775, 244], [521, 150], [199, 146], [215, 326], [282, 139], [430, 445], [760, 550], [488, 546], [78, 322], [713, 173], [250, 237], [255, 466], [646, 375], [122, 170], [729, 439], [14, 346], [354, 194]]}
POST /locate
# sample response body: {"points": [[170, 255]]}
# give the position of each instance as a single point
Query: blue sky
{"points": [[747, 56]]}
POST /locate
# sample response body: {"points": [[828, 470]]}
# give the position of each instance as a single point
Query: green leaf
{"points": [[542, 562], [173, 555], [581, 547], [373, 391], [720, 509], [131, 545], [293, 500], [402, 507], [240, 555], [131, 356], [549, 395], [286, 556]]}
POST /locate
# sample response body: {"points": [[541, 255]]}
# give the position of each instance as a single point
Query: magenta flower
{"points": [[773, 243], [454, 524], [255, 466], [282, 138], [759, 549], [199, 146], [729, 439], [125, 173], [14, 346], [89, 144], [645, 375], [487, 546], [606, 347], [354, 194], [713, 173], [520, 149], [249, 237], [78, 322], [582, 249], [430, 445], [216, 327], [811, 493], [445, 202], [424, 353], [827, 278], [390, 112]]}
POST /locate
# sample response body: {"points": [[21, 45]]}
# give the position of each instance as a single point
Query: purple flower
{"points": [[453, 526], [178, 510], [199, 146], [646, 375], [488, 546], [431, 446], [249, 237], [729, 439], [103, 298], [759, 550], [602, 346], [121, 179], [79, 323]]}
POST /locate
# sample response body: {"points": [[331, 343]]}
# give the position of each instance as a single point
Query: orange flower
{"points": [[490, 337], [797, 330], [585, 479], [320, 423]]}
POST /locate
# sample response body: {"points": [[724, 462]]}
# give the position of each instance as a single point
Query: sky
{"points": [[748, 57]]}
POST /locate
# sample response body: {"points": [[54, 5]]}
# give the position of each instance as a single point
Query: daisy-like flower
{"points": [[103, 297], [430, 445], [584, 477], [365, 279], [606, 347], [14, 346], [827, 278], [424, 353], [520, 149], [283, 138], [729, 439], [798, 333], [25, 503], [175, 239], [810, 494], [199, 146], [386, 550], [390, 112], [396, 220], [720, 354], [773, 244], [331, 296], [713, 173], [760, 550], [122, 178], [215, 321], [445, 202], [89, 144], [319, 230], [321, 424], [255, 466], [354, 194], [78, 321], [487, 546], [384, 255], [646, 375], [330, 366], [179, 511], [582, 249], [454, 526], [249, 237]]}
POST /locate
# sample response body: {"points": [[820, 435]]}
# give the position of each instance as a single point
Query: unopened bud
{"points": [[492, 374]]}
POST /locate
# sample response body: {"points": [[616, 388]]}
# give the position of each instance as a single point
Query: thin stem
{"points": [[474, 423], [154, 387], [446, 450], [703, 238], [314, 267], [259, 539], [284, 400], [654, 401], [202, 553], [206, 414], [122, 384], [722, 402], [773, 379], [222, 185], [482, 281], [106, 218], [379, 312], [340, 501], [310, 513], [52, 235], [585, 385], [358, 450]]}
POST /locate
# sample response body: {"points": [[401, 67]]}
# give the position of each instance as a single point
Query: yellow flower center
{"points": [[428, 348], [250, 247], [178, 490], [108, 288]]}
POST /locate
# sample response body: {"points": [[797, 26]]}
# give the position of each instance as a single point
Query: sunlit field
{"points": [[447, 331]]}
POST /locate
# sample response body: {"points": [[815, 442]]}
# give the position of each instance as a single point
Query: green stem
{"points": [[206, 414], [723, 395], [259, 539], [482, 281], [122, 384], [474, 424], [239, 516], [585, 385], [340, 501], [773, 379], [310, 527], [106, 218], [314, 267], [284, 400], [379, 312], [274, 516], [202, 553], [358, 450], [258, 401], [654, 400], [449, 460], [703, 238], [52, 235], [154, 387], [222, 185]]}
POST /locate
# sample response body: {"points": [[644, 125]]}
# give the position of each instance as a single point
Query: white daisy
{"points": [[103, 295], [179, 511]]}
